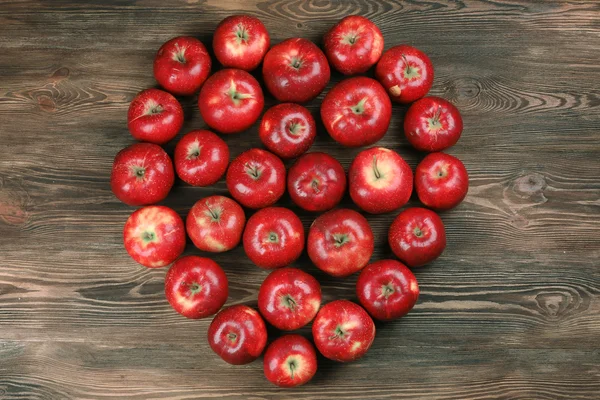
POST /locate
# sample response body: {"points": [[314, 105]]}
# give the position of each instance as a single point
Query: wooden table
{"points": [[511, 310]]}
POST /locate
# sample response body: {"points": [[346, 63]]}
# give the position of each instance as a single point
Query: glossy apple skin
{"points": [[256, 178], [417, 236], [290, 361], [273, 237], [154, 236], [196, 287], [441, 181], [241, 41], [353, 45], [405, 72], [201, 158], [295, 70], [182, 65], [154, 116], [356, 112], [215, 224], [432, 124], [340, 242], [230, 101], [238, 335], [343, 331], [380, 180], [288, 130], [387, 289], [289, 298], [316, 182], [142, 174]]}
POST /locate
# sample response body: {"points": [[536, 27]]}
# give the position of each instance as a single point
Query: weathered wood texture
{"points": [[511, 310]]}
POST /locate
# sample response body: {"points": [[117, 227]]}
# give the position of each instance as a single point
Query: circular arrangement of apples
{"points": [[356, 112]]}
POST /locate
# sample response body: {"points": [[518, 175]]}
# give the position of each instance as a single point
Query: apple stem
{"points": [[253, 171], [340, 239], [292, 368], [290, 302], [231, 336], [179, 54], [436, 117], [294, 128], [339, 332], [315, 185], [215, 214], [139, 172], [273, 238], [296, 62], [359, 108], [418, 232], [376, 171], [242, 34], [156, 110]]}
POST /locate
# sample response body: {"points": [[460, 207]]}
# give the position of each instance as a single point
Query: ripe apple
{"points": [[353, 45], [230, 101], [343, 331], [238, 335], [295, 70], [387, 289], [241, 41], [380, 180], [182, 65], [196, 287], [273, 237], [340, 242], [154, 236], [142, 174], [289, 298], [316, 182], [291, 360], [215, 224], [288, 130], [441, 181], [417, 236], [405, 72], [432, 124], [154, 116], [201, 158], [356, 112], [256, 178]]}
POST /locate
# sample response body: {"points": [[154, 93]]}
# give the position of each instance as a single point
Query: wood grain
{"points": [[511, 310]]}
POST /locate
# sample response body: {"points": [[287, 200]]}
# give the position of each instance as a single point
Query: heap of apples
{"points": [[356, 112]]}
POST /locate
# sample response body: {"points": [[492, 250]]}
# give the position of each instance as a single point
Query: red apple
{"points": [[238, 335], [154, 116], [273, 237], [353, 45], [405, 72], [201, 158], [289, 298], [182, 65], [340, 242], [154, 236], [287, 130], [441, 181], [432, 124], [241, 41], [387, 289], [142, 174], [343, 331], [291, 360], [230, 101], [356, 112], [196, 287], [380, 180], [417, 236], [316, 182], [295, 70], [256, 178], [215, 224]]}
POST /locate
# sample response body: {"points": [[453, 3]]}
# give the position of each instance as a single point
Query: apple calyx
{"points": [[340, 239], [179, 54], [387, 290], [254, 171], [241, 34], [359, 107], [194, 288], [289, 302], [236, 96]]}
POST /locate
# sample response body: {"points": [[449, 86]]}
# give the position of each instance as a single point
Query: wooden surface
{"points": [[511, 310]]}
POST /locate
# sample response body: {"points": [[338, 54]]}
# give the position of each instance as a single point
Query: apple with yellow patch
{"points": [[380, 180], [356, 112], [196, 287], [290, 361], [343, 331], [154, 236], [215, 224], [241, 41]]}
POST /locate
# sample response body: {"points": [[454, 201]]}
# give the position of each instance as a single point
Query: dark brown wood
{"points": [[511, 310]]}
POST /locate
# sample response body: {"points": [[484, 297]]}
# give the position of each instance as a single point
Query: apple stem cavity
{"points": [[387, 290], [195, 288], [340, 239], [232, 336], [273, 238], [418, 232], [359, 108], [410, 72], [236, 96], [214, 213], [148, 237], [241, 34], [315, 185], [296, 62], [338, 333], [434, 123], [295, 128], [292, 366], [289, 302], [194, 151], [139, 172], [179, 55], [253, 171]]}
